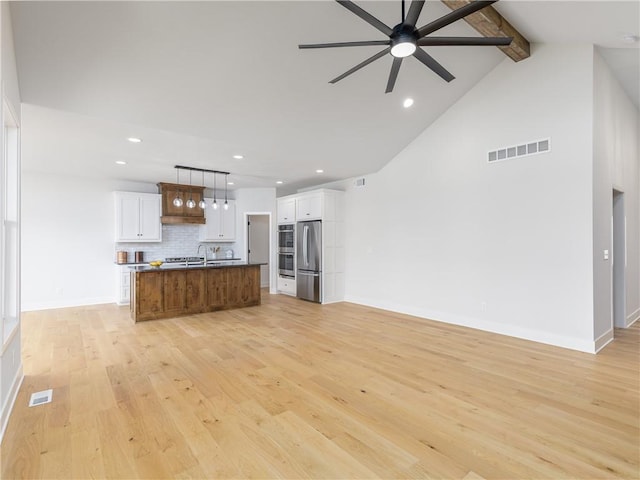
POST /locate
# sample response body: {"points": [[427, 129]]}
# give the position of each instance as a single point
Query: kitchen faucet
{"points": [[205, 252]]}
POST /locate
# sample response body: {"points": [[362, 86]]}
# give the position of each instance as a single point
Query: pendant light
{"points": [[214, 204], [226, 203], [178, 200], [190, 202], [202, 204]]}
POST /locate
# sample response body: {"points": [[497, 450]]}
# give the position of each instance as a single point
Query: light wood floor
{"points": [[296, 390]]}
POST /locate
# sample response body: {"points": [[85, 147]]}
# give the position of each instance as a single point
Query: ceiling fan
{"points": [[405, 39]]}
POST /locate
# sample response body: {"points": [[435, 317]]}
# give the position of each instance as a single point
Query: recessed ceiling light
{"points": [[230, 183], [121, 162], [279, 182], [134, 139], [238, 157], [319, 171], [407, 102]]}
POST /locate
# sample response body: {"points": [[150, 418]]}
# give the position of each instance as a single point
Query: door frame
{"points": [[618, 259], [272, 257]]}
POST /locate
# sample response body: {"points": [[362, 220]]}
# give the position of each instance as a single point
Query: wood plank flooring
{"points": [[291, 389]]}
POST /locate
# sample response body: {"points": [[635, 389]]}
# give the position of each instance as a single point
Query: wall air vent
{"points": [[517, 151]]}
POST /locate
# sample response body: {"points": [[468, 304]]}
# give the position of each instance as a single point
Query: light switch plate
{"points": [[606, 254]]}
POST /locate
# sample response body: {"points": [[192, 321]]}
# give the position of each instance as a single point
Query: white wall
{"points": [[67, 241], [616, 142], [10, 355], [507, 246]]}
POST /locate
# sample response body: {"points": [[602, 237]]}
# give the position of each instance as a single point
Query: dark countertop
{"points": [[182, 266], [217, 260]]}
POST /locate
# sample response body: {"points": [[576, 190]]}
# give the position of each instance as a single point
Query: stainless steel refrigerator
{"points": [[309, 261]]}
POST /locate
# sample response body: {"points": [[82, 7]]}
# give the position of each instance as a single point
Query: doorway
{"points": [[258, 245], [619, 261]]}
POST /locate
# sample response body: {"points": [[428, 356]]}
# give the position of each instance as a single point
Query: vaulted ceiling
{"points": [[200, 82]]}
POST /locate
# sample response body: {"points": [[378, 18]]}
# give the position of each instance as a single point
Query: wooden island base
{"points": [[164, 293]]}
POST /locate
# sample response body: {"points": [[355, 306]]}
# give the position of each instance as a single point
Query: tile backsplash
{"points": [[177, 241]]}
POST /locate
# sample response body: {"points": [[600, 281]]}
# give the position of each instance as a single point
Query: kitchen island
{"points": [[172, 290]]}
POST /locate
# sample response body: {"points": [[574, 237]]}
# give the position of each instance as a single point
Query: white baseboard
{"points": [[572, 343], [633, 317], [11, 400], [603, 340], [332, 300], [279, 292], [48, 305]]}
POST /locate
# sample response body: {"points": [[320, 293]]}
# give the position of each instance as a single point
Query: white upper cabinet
{"points": [[138, 217], [328, 206], [309, 207], [220, 224], [286, 210]]}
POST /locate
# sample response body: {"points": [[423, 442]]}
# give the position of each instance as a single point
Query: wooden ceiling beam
{"points": [[490, 23]]}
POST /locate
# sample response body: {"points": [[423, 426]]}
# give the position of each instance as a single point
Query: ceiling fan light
{"points": [[403, 49]]}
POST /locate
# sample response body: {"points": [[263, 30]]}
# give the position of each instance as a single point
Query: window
{"points": [[10, 218]]}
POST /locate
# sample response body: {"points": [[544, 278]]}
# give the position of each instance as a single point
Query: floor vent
{"points": [[517, 151], [40, 398]]}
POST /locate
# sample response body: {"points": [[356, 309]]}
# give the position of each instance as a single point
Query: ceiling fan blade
{"points": [[346, 44], [366, 16], [414, 12], [395, 67], [438, 41], [430, 62], [453, 16], [362, 64]]}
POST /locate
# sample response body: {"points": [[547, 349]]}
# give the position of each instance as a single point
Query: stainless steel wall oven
{"points": [[286, 238], [286, 267], [287, 250]]}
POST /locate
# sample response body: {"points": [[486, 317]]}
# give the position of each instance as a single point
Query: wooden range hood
{"points": [[177, 215]]}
